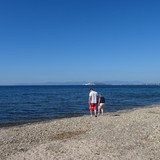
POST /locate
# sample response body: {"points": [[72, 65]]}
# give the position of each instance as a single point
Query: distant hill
{"points": [[115, 83], [92, 83]]}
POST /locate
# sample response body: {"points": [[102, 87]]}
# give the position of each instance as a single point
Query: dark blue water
{"points": [[31, 103]]}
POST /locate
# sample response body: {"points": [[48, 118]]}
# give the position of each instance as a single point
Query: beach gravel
{"points": [[124, 135]]}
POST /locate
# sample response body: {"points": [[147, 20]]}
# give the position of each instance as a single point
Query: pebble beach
{"points": [[123, 135]]}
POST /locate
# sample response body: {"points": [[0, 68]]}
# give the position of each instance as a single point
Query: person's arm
{"points": [[89, 99], [99, 100]]}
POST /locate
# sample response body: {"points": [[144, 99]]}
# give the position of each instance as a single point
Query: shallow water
{"points": [[32, 103]]}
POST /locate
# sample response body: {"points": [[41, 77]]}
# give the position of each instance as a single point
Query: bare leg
{"points": [[102, 110], [95, 113], [91, 112], [99, 110]]}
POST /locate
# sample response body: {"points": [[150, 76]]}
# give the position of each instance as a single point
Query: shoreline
{"points": [[127, 135], [45, 120]]}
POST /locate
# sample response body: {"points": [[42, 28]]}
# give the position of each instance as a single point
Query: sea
{"points": [[23, 104]]}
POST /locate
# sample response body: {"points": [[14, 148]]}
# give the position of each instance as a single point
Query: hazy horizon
{"points": [[114, 82]]}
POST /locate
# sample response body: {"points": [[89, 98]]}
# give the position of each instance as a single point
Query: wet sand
{"points": [[125, 135]]}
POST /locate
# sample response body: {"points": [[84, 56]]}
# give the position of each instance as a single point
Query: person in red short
{"points": [[92, 100]]}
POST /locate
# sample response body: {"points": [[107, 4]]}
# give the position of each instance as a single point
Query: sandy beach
{"points": [[125, 135]]}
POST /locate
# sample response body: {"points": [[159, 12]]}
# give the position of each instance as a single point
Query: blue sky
{"points": [[79, 40]]}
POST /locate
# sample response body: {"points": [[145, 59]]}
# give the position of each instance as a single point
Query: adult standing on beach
{"points": [[92, 100], [101, 102]]}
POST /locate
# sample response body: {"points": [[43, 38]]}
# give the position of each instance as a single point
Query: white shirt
{"points": [[93, 96]]}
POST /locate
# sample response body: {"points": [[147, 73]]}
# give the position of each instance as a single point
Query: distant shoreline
{"points": [[84, 84]]}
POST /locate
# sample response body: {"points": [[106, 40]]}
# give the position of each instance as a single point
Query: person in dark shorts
{"points": [[101, 102]]}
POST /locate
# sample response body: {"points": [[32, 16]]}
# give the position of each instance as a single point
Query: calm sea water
{"points": [[31, 103]]}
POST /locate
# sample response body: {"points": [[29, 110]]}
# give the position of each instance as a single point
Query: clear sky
{"points": [[79, 40]]}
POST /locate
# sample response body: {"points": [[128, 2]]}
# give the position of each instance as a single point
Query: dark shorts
{"points": [[93, 106]]}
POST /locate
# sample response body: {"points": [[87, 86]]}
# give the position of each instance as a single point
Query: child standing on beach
{"points": [[101, 102]]}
